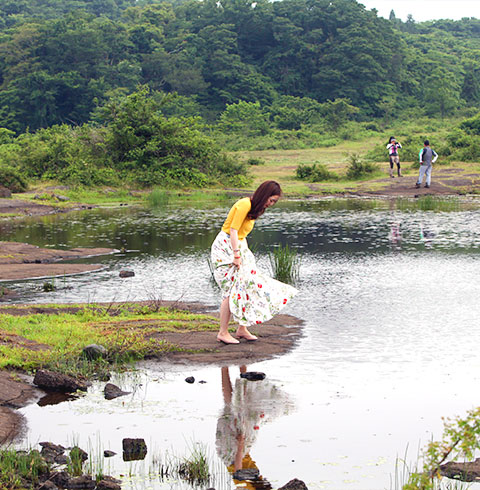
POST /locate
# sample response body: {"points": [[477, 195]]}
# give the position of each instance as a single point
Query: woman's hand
{"points": [[237, 261]]}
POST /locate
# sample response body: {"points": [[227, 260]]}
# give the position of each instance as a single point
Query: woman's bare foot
{"points": [[227, 339], [243, 333]]}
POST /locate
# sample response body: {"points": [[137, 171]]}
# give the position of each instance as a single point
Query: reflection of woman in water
{"points": [[248, 405]]}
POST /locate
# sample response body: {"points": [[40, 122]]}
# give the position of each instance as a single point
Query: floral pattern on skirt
{"points": [[253, 296]]}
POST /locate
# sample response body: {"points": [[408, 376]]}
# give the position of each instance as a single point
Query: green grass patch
{"points": [[16, 467], [127, 332]]}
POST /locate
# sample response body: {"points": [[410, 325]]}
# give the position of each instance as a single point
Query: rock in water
{"points": [[112, 391], [126, 274], [134, 449], [253, 376], [294, 484]]}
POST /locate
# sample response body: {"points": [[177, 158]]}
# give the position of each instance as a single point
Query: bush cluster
{"points": [[134, 143], [12, 179], [358, 168], [316, 172]]}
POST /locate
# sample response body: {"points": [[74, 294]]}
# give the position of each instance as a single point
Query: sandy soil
{"points": [[24, 261], [276, 337]]}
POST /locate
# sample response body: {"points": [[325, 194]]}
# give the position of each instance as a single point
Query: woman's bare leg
{"points": [[223, 334]]}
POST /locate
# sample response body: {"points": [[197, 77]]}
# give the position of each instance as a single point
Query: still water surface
{"points": [[390, 303]]}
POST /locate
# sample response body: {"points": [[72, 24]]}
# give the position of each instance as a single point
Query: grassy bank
{"points": [[55, 340]]}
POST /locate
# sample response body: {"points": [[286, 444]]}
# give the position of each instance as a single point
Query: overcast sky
{"points": [[425, 9]]}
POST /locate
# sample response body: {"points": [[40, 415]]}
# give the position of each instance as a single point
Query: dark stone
{"points": [[81, 482], [48, 380], [253, 375], [108, 483], [468, 472], [126, 274], [294, 484], [202, 381], [94, 351], [190, 379], [50, 452], [112, 391], [108, 454], [61, 459], [60, 479], [49, 485], [4, 192], [78, 453], [134, 449], [56, 448], [246, 474]]}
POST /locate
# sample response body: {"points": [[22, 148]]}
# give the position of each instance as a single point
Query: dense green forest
{"points": [[291, 69]]}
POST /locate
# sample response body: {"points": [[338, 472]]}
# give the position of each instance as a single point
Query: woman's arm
{"points": [[235, 245]]}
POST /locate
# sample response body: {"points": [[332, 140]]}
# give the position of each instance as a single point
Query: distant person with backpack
{"points": [[427, 156], [393, 147]]}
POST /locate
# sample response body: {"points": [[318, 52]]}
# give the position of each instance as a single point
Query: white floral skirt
{"points": [[254, 297]]}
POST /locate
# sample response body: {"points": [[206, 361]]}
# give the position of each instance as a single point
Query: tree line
{"points": [[60, 59], [148, 91]]}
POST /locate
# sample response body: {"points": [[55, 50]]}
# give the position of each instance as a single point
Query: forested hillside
{"points": [[60, 59]]}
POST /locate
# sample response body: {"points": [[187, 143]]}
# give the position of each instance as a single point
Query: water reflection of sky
{"points": [[390, 301]]}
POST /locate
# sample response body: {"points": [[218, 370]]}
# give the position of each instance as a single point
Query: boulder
{"points": [[94, 351], [60, 479], [126, 273], [108, 483], [112, 391], [50, 452], [294, 484], [253, 376], [49, 380], [84, 482], [468, 472], [78, 454], [49, 485], [134, 449]]}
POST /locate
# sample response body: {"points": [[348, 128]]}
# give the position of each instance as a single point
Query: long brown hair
{"points": [[260, 197]]}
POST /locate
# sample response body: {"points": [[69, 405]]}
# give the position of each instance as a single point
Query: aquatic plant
{"points": [[158, 198], [429, 203], [460, 441], [285, 264], [18, 466], [195, 468]]}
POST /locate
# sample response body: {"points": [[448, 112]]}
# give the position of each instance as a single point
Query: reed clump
{"points": [[285, 264]]}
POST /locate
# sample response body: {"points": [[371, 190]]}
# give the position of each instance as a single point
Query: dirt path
{"points": [[24, 261]]}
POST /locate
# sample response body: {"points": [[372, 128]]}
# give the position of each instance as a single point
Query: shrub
{"points": [[358, 169], [317, 172], [255, 161], [12, 179]]}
